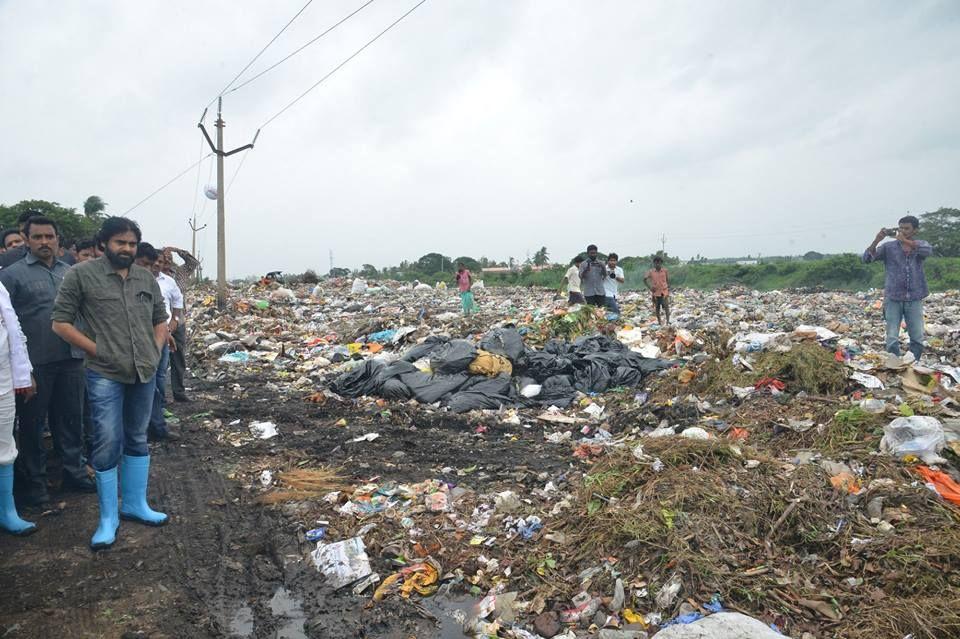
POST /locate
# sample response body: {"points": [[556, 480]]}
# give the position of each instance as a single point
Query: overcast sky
{"points": [[491, 127]]}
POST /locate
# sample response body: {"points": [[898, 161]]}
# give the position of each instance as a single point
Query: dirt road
{"points": [[226, 566]]}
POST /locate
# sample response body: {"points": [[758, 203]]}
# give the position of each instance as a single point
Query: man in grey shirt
{"points": [[124, 326], [33, 283], [593, 272]]}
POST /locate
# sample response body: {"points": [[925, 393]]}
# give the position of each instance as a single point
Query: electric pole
{"points": [[221, 234], [193, 227], [663, 243], [198, 276]]}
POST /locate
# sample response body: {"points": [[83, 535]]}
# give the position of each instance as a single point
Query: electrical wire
{"points": [[239, 166], [196, 188], [174, 179], [282, 60], [266, 46], [342, 64], [206, 200]]}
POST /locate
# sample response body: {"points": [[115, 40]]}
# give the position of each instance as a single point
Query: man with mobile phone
{"points": [[906, 283], [593, 272]]}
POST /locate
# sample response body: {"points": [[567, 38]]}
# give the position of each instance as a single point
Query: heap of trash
{"points": [[760, 468]]}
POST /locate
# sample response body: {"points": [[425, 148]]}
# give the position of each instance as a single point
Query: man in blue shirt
{"points": [[33, 283], [906, 284]]}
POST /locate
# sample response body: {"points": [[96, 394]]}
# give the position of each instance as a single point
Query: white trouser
{"points": [[8, 412]]}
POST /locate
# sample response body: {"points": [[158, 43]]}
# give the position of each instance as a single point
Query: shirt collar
{"points": [[30, 258]]}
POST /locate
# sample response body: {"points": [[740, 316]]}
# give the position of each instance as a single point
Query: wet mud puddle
{"points": [[283, 606]]}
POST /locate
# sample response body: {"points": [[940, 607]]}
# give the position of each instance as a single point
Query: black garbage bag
{"points": [[453, 357], [358, 381], [541, 365], [394, 369], [424, 348], [483, 393], [557, 391], [504, 341], [557, 347], [395, 389], [594, 377], [388, 386], [501, 384], [427, 389], [626, 376], [646, 365], [473, 400], [584, 346]]}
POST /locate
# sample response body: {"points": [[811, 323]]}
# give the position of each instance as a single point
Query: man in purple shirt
{"points": [[906, 284]]}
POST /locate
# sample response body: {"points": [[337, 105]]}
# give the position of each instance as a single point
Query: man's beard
{"points": [[117, 259]]}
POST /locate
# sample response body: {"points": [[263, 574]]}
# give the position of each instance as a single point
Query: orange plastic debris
{"points": [[946, 487], [845, 481]]}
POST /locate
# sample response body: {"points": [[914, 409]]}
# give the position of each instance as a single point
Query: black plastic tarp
{"points": [[427, 389], [504, 341], [486, 392], [453, 357], [591, 364], [540, 365], [557, 391]]}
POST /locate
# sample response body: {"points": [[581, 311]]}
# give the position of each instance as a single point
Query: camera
{"points": [[891, 232], [613, 275]]}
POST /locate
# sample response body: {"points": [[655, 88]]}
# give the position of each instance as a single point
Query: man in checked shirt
{"points": [[183, 274], [906, 283]]}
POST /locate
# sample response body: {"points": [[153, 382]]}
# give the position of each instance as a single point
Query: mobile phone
{"points": [[890, 232]]}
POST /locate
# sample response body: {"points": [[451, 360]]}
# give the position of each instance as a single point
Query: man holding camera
{"points": [[592, 275], [611, 284], [906, 284]]}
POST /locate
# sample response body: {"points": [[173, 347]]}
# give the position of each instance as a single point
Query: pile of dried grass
{"points": [[772, 544], [302, 484]]}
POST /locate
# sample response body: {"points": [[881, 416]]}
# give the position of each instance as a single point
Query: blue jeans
{"points": [[912, 314], [611, 304], [120, 414], [158, 423]]}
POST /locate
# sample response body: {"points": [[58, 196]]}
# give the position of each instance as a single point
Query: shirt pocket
{"points": [[41, 292], [141, 310]]}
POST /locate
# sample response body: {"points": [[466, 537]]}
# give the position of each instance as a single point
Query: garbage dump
{"points": [[464, 376], [760, 467]]}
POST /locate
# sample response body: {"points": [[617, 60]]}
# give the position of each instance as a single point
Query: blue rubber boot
{"points": [[106, 532], [9, 519], [133, 488]]}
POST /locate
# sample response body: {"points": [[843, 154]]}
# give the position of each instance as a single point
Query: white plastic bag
{"points": [[918, 436]]}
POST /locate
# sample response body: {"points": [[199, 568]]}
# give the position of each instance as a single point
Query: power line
{"points": [[266, 46], [239, 166], [342, 64], [206, 200], [196, 188], [175, 178], [282, 60]]}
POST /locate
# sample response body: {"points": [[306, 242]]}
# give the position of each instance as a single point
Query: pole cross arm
{"points": [[226, 153]]}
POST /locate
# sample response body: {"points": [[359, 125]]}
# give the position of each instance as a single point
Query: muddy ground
{"points": [[226, 566]]}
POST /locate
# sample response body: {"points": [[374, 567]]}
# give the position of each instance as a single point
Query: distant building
{"points": [[747, 262]]}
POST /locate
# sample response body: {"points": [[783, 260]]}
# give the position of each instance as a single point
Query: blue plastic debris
{"points": [[316, 534], [690, 617], [714, 604], [382, 336]]}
